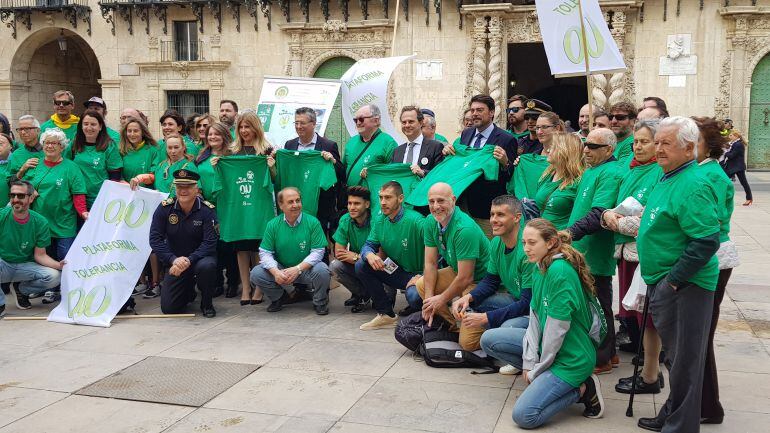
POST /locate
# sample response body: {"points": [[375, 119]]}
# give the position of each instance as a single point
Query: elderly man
{"points": [[677, 241], [22, 248], [419, 151], [129, 113], [24, 160], [598, 191], [393, 254], [453, 235], [62, 118], [184, 236], [291, 252], [308, 139], [97, 104], [371, 145], [583, 119], [517, 124], [622, 117], [429, 126]]}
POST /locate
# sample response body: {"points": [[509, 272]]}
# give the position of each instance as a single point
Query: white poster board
{"points": [[281, 96]]}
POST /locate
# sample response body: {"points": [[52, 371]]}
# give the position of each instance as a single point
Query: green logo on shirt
{"points": [[302, 245], [97, 160], [307, 175], [59, 182]]}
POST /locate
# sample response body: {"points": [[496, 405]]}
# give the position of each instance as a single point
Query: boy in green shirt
{"points": [[291, 252], [349, 239]]}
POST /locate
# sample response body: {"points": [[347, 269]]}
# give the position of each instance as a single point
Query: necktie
{"points": [[409, 153], [477, 143]]}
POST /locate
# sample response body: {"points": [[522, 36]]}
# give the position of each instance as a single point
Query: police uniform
{"points": [[193, 235], [532, 108]]}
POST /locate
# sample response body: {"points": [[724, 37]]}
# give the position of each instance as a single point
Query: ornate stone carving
{"points": [[618, 29], [495, 64], [523, 28], [183, 68], [722, 101], [152, 42], [215, 40], [336, 29], [478, 83], [598, 86], [762, 23]]}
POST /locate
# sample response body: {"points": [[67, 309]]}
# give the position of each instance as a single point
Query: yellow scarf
{"points": [[73, 120], [139, 146]]}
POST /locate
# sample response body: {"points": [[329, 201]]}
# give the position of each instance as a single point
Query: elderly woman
{"points": [[642, 176], [95, 153], [711, 145], [558, 184], [60, 188]]}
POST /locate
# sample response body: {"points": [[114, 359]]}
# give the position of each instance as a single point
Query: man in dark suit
{"points": [[422, 154], [308, 139], [479, 195]]}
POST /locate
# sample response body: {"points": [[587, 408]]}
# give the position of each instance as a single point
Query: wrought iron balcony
{"points": [[181, 51], [20, 11]]}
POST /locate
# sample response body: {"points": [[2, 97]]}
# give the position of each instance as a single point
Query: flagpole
{"points": [[588, 70], [395, 29]]}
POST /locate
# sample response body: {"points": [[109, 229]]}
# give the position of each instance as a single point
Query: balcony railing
{"points": [[180, 51], [20, 11]]}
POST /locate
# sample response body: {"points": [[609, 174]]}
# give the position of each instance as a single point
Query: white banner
{"points": [[563, 39], [366, 82], [281, 96], [108, 255]]}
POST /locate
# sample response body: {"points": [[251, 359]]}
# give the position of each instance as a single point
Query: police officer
{"points": [[184, 237], [530, 143]]}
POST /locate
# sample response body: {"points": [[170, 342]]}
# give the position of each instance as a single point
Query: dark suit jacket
{"points": [[480, 193], [735, 158], [430, 152], [327, 199]]}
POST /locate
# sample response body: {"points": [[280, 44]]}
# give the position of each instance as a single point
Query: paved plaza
{"points": [[322, 374]]}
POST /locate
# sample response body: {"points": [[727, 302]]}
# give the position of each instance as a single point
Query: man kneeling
{"points": [[291, 252]]}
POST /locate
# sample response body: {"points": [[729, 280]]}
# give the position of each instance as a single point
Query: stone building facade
{"points": [[702, 57]]}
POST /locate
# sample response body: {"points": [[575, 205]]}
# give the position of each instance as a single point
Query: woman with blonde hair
{"points": [[250, 136], [198, 131], [176, 158], [531, 162], [559, 348], [558, 185], [734, 162]]}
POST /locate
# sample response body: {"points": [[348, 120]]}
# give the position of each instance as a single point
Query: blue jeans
{"points": [[32, 278], [546, 396], [505, 343], [318, 278], [374, 283]]}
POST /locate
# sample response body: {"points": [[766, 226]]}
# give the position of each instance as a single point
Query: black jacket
{"points": [[430, 153], [480, 193], [735, 158]]}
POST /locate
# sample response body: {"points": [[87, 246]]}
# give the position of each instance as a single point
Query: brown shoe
{"points": [[603, 369]]}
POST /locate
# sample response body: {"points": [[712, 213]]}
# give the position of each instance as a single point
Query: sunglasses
{"points": [[18, 195], [361, 119], [619, 117], [20, 130], [61, 103], [514, 110], [594, 146]]}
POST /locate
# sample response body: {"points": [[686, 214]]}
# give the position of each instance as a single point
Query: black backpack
{"points": [[440, 349]]}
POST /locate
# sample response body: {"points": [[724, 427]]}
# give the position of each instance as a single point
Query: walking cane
{"points": [[645, 311]]}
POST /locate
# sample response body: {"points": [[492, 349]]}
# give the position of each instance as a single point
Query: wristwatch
{"points": [[299, 270]]}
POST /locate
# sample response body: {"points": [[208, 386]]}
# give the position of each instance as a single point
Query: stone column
{"points": [[294, 66], [111, 95], [478, 82], [496, 66], [616, 90]]}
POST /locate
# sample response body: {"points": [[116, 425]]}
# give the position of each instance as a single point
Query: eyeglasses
{"points": [[541, 127], [25, 129], [49, 143], [361, 119], [18, 195], [594, 146], [619, 117], [514, 110], [61, 103]]}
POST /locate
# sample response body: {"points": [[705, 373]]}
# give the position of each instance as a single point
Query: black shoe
{"points": [[353, 300], [218, 291], [592, 398], [22, 301], [321, 310], [208, 312], [232, 291], [245, 302], [642, 387], [193, 295], [6, 288], [661, 381], [651, 424], [2, 311], [361, 307], [275, 306], [628, 347], [257, 301], [711, 420], [407, 311]]}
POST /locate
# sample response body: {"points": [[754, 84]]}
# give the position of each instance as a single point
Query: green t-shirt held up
{"points": [[513, 267], [351, 235], [380, 174], [461, 240], [56, 186], [307, 171], [18, 242], [95, 166], [402, 240], [526, 175], [680, 208], [291, 245], [244, 193], [638, 183], [359, 155]]}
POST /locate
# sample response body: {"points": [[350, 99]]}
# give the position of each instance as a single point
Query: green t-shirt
{"points": [[526, 175], [114, 135], [556, 204], [191, 148], [69, 131], [351, 235], [439, 137], [19, 157], [290, 245], [724, 191], [164, 174], [459, 171], [513, 267], [638, 182], [18, 242], [679, 209], [559, 295], [519, 134], [457, 142], [462, 239], [402, 240], [56, 186], [208, 179], [137, 162], [95, 166], [245, 201], [624, 149], [598, 188], [380, 151], [306, 170], [4, 189], [380, 174]]}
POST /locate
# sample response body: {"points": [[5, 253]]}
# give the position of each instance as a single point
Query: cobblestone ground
{"points": [[322, 374]]}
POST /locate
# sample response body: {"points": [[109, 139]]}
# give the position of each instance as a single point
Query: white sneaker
{"points": [[380, 321], [509, 370], [139, 289]]}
